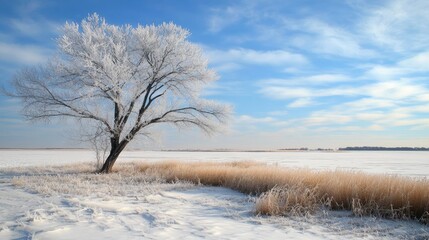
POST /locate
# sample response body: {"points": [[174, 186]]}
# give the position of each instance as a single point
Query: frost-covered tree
{"points": [[120, 80]]}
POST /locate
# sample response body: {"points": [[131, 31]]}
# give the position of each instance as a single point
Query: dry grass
{"points": [[79, 179], [284, 191], [288, 200]]}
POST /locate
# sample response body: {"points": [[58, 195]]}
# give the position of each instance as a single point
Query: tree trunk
{"points": [[113, 155], [108, 164]]}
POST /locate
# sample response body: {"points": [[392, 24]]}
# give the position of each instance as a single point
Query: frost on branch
{"points": [[122, 79]]}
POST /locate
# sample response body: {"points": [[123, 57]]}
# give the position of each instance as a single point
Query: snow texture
{"points": [[41, 201]]}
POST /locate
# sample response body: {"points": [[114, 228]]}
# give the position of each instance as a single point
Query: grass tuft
{"points": [[288, 201], [286, 191]]}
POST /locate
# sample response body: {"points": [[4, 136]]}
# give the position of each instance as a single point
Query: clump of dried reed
{"points": [[286, 191]]}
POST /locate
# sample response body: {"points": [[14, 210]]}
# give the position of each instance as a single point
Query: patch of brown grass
{"points": [[288, 201], [283, 191]]}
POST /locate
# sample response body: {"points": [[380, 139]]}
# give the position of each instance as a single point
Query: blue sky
{"points": [[298, 73]]}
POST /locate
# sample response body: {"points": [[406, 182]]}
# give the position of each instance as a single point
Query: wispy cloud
{"points": [[236, 58], [374, 30], [224, 88], [381, 117], [23, 54], [383, 97], [222, 18], [301, 102], [254, 120], [310, 80], [249, 122], [400, 25], [270, 26], [303, 70], [395, 90], [248, 11], [30, 8], [415, 64], [369, 103], [320, 37], [250, 56], [367, 94], [29, 37], [34, 27]]}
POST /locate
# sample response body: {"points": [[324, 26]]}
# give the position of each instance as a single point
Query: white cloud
{"points": [[223, 88], [321, 118], [222, 18], [369, 103], [320, 37], [343, 117], [328, 78], [250, 56], [23, 54], [394, 90], [400, 25], [380, 72], [356, 128], [38, 34], [248, 11], [415, 64], [269, 25], [409, 111], [253, 120], [320, 79], [384, 46], [35, 27], [412, 122], [423, 97], [255, 123], [374, 30], [28, 8], [370, 116], [301, 102], [379, 104], [278, 113], [226, 67], [282, 92], [274, 91]]}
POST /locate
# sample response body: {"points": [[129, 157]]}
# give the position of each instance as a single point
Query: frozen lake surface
{"points": [[407, 163], [89, 206]]}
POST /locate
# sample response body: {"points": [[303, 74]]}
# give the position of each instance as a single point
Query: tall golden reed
{"points": [[285, 191]]}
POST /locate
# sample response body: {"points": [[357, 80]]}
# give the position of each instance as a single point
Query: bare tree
{"points": [[121, 79]]}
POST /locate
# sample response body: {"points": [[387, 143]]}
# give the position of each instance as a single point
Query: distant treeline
{"points": [[294, 149], [307, 149], [384, 149]]}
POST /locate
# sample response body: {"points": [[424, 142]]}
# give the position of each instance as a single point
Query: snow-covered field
{"points": [[414, 164], [88, 206]]}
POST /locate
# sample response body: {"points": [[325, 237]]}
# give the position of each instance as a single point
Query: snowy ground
{"points": [[55, 203], [414, 164]]}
